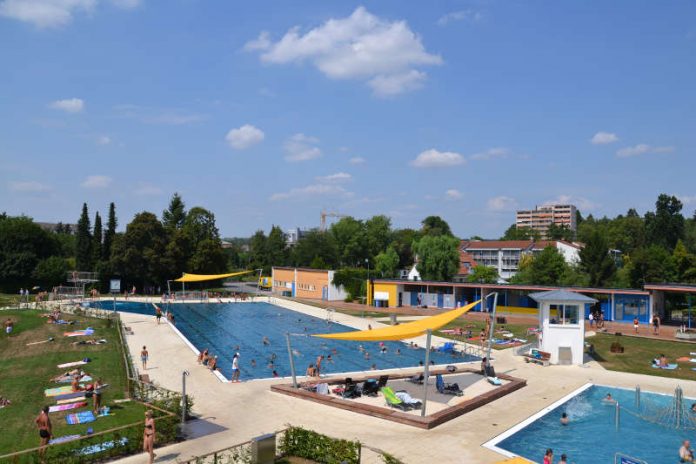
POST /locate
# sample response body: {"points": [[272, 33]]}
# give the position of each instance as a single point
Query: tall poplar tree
{"points": [[97, 237], [173, 217], [83, 243], [110, 233]]}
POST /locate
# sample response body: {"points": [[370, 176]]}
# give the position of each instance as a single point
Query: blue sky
{"points": [[268, 112]]}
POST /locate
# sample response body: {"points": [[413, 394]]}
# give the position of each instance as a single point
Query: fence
{"points": [[191, 295]]}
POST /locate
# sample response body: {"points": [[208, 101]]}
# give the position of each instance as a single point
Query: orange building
{"points": [[306, 283]]}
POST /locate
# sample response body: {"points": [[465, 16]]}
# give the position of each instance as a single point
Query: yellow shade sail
{"points": [[203, 277], [515, 460], [401, 331]]}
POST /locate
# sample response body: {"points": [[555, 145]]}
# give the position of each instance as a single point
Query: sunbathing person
{"points": [[4, 402], [75, 384], [202, 355], [212, 365], [90, 342]]}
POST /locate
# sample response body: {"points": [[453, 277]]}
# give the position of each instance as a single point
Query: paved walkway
{"points": [[234, 413]]}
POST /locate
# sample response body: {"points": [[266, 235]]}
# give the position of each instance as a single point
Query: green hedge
{"points": [[307, 444]]}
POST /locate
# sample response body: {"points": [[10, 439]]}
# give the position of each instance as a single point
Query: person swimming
{"points": [[265, 341], [564, 419], [609, 399]]}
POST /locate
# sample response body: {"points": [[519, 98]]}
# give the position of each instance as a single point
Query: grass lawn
{"points": [[639, 353], [25, 371], [475, 325], [9, 299]]}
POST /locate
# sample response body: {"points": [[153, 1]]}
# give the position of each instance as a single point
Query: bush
{"points": [[312, 445]]}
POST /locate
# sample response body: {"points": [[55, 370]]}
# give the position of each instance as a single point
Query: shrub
{"points": [[308, 444]]}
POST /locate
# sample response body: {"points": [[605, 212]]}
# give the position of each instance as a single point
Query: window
{"points": [[564, 314]]}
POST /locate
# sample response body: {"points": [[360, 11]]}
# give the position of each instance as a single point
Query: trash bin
{"points": [[263, 449], [392, 319]]}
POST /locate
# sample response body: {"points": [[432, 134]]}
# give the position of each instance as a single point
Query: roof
{"points": [[523, 287], [464, 260], [561, 295], [302, 269], [513, 244], [679, 288]]}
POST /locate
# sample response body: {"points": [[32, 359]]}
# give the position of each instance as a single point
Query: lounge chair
{"points": [[351, 390], [417, 379], [371, 387], [447, 388], [404, 396], [393, 401]]}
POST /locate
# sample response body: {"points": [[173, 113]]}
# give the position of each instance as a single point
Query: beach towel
{"points": [[102, 446], [73, 364], [68, 396], [668, 367], [68, 379], [72, 400], [494, 380], [65, 407], [323, 388], [63, 439], [58, 391], [80, 418], [79, 333]]}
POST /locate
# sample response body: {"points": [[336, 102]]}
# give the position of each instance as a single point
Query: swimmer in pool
{"points": [[398, 351], [564, 419], [253, 363], [266, 341], [608, 399]]}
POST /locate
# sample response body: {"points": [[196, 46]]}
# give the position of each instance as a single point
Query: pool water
{"points": [[591, 436], [223, 327]]}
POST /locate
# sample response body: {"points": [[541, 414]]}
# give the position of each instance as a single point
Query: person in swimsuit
{"points": [[149, 436], [636, 324], [548, 456], [212, 365], [203, 356], [564, 419], [75, 384], [144, 355], [564, 459], [97, 396], [9, 325], [656, 325], [235, 368], [158, 314], [320, 358], [685, 452], [43, 422]]}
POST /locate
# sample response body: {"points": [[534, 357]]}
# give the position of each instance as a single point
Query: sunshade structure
{"points": [[401, 331], [203, 277], [398, 332]]}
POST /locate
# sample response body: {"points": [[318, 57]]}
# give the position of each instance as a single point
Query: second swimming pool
{"points": [[241, 327]]}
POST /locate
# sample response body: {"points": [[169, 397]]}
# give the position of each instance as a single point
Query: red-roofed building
{"points": [[505, 255]]}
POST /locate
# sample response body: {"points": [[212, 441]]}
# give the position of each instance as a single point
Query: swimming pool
{"points": [[591, 436], [226, 328]]}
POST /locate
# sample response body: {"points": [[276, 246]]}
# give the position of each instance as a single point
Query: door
{"points": [[401, 299]]}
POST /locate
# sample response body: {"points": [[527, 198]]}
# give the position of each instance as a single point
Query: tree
{"points": [[276, 248], [520, 233], [684, 263], [402, 240], [377, 234], [315, 249], [483, 274], [435, 225], [563, 232], [110, 232], [97, 238], [51, 271], [546, 268], [174, 216], [387, 263], [178, 252], [200, 225], [258, 253], [666, 226], [24, 244], [438, 257], [209, 258], [653, 264], [83, 243], [595, 260], [349, 237]]}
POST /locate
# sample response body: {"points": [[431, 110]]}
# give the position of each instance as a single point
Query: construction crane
{"points": [[324, 215]]}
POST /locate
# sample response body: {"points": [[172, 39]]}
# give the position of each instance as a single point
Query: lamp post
{"points": [[184, 374]]}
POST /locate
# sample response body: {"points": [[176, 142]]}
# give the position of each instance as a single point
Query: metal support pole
{"points": [[617, 416], [258, 283], [184, 374], [426, 371], [637, 396], [292, 361], [678, 399], [492, 327]]}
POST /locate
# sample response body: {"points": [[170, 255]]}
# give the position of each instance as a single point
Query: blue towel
{"points": [[80, 418], [668, 367], [102, 446]]}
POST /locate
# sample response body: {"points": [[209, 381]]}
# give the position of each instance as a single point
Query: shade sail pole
{"points": [[492, 328], [292, 361], [426, 372]]}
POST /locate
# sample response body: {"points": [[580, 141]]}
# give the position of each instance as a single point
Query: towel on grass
{"points": [[65, 407], [59, 391], [79, 333], [73, 364], [102, 446], [63, 439], [71, 395], [69, 378], [72, 400], [80, 418], [669, 367]]}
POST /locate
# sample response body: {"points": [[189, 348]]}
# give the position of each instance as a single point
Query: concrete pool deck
{"points": [[234, 413]]}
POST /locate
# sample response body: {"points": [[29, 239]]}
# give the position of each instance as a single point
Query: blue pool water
{"points": [[591, 436], [223, 327]]}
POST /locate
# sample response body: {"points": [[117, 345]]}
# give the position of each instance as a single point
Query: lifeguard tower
{"points": [[561, 319]]}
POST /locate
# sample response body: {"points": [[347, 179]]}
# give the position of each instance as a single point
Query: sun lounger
{"points": [[538, 357], [371, 387], [417, 379], [393, 401], [351, 390], [404, 396], [80, 418], [65, 407], [447, 388]]}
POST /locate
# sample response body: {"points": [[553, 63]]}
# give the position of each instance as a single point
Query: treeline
{"points": [[626, 251], [151, 251]]}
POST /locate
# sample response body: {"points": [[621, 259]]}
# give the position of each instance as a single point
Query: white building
{"points": [[562, 323], [505, 255]]}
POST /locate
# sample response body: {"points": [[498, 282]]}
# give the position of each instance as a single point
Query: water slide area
{"points": [[223, 327]]}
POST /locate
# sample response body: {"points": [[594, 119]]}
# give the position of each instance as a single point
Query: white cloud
{"points": [[29, 187], [323, 190], [642, 149], [461, 15], [70, 105], [603, 138], [437, 159], [687, 200], [357, 160], [244, 137], [147, 190], [491, 153], [581, 203], [96, 182], [502, 203], [44, 13], [386, 54], [153, 115], [453, 194], [335, 178], [104, 140], [301, 147]]}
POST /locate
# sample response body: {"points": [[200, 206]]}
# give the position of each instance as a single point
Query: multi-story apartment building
{"points": [[541, 217], [505, 255]]}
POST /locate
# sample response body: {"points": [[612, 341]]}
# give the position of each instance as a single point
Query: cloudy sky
{"points": [[268, 112]]}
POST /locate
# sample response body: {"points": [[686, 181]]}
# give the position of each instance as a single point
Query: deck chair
{"points": [[351, 390], [447, 388], [372, 387], [404, 396], [417, 379], [447, 347], [393, 401]]}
